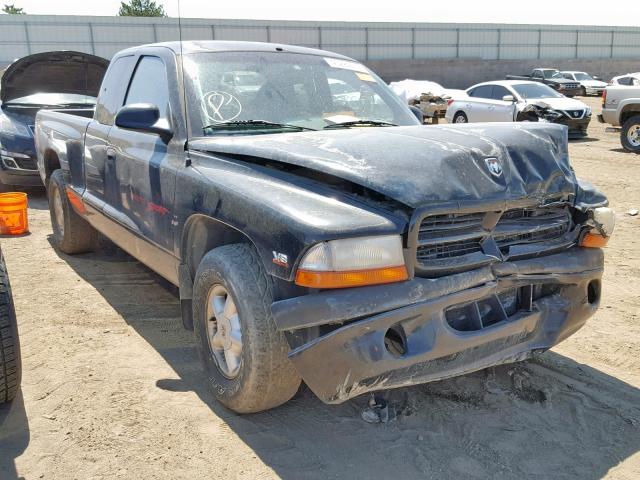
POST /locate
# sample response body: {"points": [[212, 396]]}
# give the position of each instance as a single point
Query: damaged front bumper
{"points": [[390, 336]]}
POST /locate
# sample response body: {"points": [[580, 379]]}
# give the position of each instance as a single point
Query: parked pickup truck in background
{"points": [[621, 108], [62, 80], [324, 236], [553, 78]]}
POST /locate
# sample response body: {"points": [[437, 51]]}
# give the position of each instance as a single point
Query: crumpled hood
{"points": [[53, 72], [424, 164], [561, 103]]}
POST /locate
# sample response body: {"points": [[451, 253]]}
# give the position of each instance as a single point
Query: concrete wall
{"points": [[462, 73]]}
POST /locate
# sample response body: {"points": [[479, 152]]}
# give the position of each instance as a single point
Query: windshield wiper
{"points": [[358, 123], [257, 124]]}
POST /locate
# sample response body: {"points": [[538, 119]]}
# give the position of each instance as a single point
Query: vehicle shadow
{"points": [[546, 418], [14, 436], [583, 140]]}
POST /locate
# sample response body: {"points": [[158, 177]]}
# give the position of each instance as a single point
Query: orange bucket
{"points": [[13, 213]]}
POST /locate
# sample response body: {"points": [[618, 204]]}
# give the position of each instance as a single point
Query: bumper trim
{"points": [[338, 306]]}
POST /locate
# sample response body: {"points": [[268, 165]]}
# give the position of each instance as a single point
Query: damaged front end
{"points": [[488, 288], [576, 121]]}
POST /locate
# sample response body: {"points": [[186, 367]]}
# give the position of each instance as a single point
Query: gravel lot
{"points": [[112, 385]]}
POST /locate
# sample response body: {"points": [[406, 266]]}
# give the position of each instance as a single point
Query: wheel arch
{"points": [[629, 111], [51, 163]]}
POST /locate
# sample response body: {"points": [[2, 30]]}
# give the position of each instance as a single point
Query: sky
{"points": [[554, 12]]}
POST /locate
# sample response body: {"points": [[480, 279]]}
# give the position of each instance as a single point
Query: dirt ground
{"points": [[112, 385]]}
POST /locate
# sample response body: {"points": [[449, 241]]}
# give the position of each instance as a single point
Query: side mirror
{"points": [[508, 98], [417, 112], [143, 117]]}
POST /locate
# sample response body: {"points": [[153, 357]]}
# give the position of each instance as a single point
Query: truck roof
{"points": [[195, 46]]}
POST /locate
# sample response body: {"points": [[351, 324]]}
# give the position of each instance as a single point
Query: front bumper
{"points": [[428, 317], [569, 92], [19, 178], [577, 127]]}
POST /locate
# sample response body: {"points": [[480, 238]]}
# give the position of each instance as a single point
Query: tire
{"points": [[630, 134], [460, 117], [263, 376], [10, 365], [71, 233], [583, 92]]}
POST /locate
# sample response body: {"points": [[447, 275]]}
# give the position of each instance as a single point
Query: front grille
{"points": [[575, 113], [26, 163], [570, 86], [451, 240]]}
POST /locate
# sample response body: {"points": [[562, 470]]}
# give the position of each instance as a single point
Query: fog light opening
{"points": [[395, 341], [593, 292]]}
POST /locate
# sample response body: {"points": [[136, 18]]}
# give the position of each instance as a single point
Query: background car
{"points": [[10, 366], [513, 100], [628, 79], [589, 85], [50, 80]]}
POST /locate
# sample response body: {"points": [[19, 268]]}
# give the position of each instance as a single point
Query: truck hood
{"points": [[53, 72], [593, 83], [421, 165], [562, 103]]}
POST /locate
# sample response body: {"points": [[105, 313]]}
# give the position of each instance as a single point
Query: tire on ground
{"points": [[266, 377], [629, 124], [460, 117], [10, 367], [75, 235]]}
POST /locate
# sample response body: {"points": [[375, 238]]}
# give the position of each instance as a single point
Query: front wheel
{"points": [[460, 117], [244, 356], [630, 134]]}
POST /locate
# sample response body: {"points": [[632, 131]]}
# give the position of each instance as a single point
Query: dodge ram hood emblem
{"points": [[493, 164]]}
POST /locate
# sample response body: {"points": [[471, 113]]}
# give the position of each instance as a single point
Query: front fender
{"points": [[281, 217]]}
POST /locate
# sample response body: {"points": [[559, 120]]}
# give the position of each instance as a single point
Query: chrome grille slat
{"points": [[454, 238]]}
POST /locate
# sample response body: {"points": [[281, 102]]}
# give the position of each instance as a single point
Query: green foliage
{"points": [[141, 8], [11, 9]]}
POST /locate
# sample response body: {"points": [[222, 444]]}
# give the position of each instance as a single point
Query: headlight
{"points": [[9, 127], [602, 221], [588, 113], [353, 262]]}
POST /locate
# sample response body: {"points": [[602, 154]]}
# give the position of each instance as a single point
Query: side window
{"points": [[150, 85], [624, 81], [113, 88], [499, 91], [537, 73], [483, 91], [568, 76]]}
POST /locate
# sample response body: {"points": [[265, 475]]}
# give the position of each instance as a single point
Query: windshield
{"points": [[535, 90], [551, 74], [583, 76], [55, 99], [293, 90]]}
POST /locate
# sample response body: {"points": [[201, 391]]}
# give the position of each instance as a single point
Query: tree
{"points": [[13, 10], [141, 8]]}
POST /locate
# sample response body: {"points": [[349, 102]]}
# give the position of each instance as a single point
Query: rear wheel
{"points": [[460, 117], [71, 233], [10, 367], [630, 134], [244, 356]]}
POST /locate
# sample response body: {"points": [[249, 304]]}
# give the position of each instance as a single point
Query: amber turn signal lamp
{"points": [[352, 278], [76, 201], [593, 240]]}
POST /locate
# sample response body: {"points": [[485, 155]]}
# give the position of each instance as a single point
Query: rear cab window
{"points": [[150, 85], [113, 89]]}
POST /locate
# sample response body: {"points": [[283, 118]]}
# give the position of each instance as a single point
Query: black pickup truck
{"points": [[553, 78], [325, 235]]}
